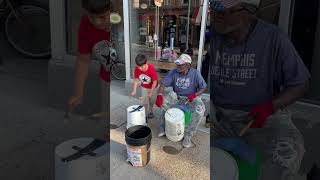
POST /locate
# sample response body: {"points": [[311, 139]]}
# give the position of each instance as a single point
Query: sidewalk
{"points": [[192, 163], [29, 130]]}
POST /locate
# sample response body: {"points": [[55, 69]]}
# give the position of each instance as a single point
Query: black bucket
{"points": [[138, 139]]}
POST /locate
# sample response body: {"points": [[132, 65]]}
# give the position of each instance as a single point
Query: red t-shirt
{"points": [[147, 77], [88, 38]]}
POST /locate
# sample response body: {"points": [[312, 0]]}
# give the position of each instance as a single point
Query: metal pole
{"points": [[202, 32], [188, 23], [126, 37]]}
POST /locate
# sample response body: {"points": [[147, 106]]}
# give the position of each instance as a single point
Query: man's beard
{"points": [[223, 29]]}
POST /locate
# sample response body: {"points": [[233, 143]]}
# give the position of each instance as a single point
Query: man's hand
{"points": [[159, 100], [260, 114], [191, 97], [73, 102]]}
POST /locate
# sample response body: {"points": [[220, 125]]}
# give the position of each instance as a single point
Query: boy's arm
{"points": [[81, 74], [80, 77], [135, 86], [154, 85]]}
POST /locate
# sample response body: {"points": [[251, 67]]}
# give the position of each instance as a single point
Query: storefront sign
{"points": [[158, 2], [144, 6], [115, 18]]}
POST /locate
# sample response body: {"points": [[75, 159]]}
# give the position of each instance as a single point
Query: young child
{"points": [[93, 34], [147, 74]]}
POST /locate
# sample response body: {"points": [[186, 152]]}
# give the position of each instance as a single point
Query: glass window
{"points": [[73, 17], [163, 33]]}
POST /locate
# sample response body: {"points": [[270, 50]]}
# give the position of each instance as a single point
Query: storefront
{"points": [[163, 31], [160, 32]]}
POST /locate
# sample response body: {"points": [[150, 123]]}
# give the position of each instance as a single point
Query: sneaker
{"points": [[150, 115], [161, 132], [186, 141]]}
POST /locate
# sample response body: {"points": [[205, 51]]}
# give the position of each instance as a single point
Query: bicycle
{"points": [[27, 28], [117, 68]]}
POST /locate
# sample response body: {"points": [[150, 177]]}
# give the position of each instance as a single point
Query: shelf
{"points": [[169, 8]]}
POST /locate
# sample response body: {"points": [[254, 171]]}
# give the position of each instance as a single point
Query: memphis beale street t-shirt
{"points": [[95, 42], [253, 72]]}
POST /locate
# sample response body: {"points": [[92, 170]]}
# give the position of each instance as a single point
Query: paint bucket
{"points": [[248, 171], [187, 113], [136, 116], [187, 118], [138, 139], [81, 159], [174, 124], [227, 166], [224, 166]]}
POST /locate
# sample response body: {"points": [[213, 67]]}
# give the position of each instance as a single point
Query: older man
{"points": [[255, 73], [188, 85]]}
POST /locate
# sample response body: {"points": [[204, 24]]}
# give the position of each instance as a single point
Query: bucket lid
{"points": [[135, 108], [138, 135], [224, 165], [81, 149], [174, 114]]}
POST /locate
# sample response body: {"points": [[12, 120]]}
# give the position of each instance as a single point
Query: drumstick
{"points": [[244, 130], [142, 98]]}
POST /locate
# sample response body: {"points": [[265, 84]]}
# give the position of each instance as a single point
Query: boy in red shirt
{"points": [[147, 74], [93, 41]]}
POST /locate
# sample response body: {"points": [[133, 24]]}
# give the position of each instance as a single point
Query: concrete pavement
{"points": [[192, 163]]}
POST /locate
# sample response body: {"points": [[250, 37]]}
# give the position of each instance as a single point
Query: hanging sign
{"points": [[115, 18], [158, 2]]}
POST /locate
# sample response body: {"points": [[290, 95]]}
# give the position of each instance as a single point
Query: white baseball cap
{"points": [[184, 58]]}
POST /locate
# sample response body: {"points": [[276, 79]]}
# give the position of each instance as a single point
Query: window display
{"points": [[163, 29]]}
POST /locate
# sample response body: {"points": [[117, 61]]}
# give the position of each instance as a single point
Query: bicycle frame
{"points": [[8, 4]]}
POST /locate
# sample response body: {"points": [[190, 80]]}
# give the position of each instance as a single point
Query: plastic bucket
{"points": [[174, 124], [81, 159], [138, 139], [136, 116], [187, 116], [224, 166], [187, 113], [248, 171]]}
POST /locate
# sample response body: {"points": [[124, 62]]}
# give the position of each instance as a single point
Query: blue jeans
{"points": [[279, 141]]}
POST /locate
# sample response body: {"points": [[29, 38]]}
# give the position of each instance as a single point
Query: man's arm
{"points": [[201, 91], [290, 95], [201, 84], [161, 89]]}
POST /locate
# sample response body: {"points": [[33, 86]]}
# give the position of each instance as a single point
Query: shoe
{"points": [[150, 115], [186, 141], [207, 125], [161, 132]]}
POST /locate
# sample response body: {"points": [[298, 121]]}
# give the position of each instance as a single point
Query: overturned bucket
{"points": [[81, 159], [138, 139]]}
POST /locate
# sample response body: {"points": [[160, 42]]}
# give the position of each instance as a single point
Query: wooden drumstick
{"points": [[142, 98], [244, 130]]}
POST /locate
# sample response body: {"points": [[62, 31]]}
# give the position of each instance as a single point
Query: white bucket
{"points": [[224, 166], [174, 124], [83, 168], [137, 117]]}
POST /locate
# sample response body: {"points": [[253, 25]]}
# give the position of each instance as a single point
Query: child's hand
{"points": [[133, 93], [73, 102]]}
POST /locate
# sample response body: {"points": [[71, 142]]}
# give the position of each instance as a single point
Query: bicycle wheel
{"points": [[118, 70], [30, 34]]}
